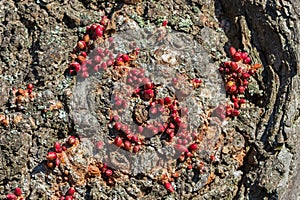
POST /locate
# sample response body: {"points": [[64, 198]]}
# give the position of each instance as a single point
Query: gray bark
{"points": [[36, 38], [271, 28]]}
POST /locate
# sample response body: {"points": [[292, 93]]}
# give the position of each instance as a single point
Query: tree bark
{"points": [[36, 38], [271, 28]]}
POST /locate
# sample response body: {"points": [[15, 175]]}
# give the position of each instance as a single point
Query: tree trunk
{"points": [[36, 38], [271, 28]]}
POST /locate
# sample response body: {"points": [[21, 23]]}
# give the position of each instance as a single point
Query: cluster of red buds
{"points": [[170, 119], [131, 138], [236, 74], [186, 152], [135, 78], [54, 158], [99, 169], [106, 171], [69, 195], [86, 59], [122, 59], [127, 139], [173, 127], [17, 195]]}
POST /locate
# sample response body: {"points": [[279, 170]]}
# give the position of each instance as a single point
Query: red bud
{"points": [[127, 145], [232, 51], [193, 147], [108, 172], [237, 56], [18, 191], [57, 147], [118, 141], [136, 148], [164, 23], [169, 187], [11, 197], [81, 44], [51, 155], [69, 197], [71, 191]]}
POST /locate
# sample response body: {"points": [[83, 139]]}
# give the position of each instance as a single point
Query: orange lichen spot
{"points": [[55, 105], [211, 178], [4, 120], [257, 66], [240, 157], [93, 171], [17, 119]]}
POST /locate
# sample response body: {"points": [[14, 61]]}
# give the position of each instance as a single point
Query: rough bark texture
{"points": [[36, 38], [271, 28]]}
